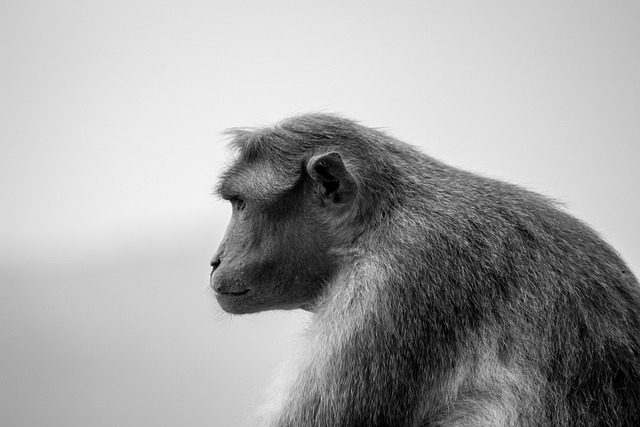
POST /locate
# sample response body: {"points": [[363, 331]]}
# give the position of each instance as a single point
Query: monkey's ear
{"points": [[336, 183]]}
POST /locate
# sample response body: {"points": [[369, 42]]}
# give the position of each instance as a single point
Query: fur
{"points": [[456, 300]]}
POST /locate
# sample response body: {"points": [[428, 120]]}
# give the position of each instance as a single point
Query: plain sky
{"points": [[110, 133]]}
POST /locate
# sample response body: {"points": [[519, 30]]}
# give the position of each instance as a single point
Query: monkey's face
{"points": [[270, 258], [276, 252]]}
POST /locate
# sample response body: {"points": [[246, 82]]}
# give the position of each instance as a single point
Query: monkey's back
{"points": [[561, 298]]}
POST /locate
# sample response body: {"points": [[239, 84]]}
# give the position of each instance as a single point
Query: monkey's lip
{"points": [[234, 302], [237, 294], [233, 293]]}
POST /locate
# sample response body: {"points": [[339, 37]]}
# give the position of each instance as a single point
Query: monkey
{"points": [[439, 297]]}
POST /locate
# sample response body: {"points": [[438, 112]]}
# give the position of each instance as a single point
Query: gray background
{"points": [[110, 123]]}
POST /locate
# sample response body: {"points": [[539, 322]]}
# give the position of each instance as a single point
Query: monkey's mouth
{"points": [[237, 294], [234, 302], [233, 293]]}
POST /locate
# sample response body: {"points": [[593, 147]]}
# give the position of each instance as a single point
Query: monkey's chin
{"points": [[236, 304]]}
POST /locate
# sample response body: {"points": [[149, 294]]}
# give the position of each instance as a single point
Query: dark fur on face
{"points": [[440, 297]]}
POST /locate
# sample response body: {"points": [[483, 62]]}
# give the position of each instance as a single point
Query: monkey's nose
{"points": [[215, 285]]}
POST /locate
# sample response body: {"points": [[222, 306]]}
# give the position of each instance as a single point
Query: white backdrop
{"points": [[111, 114]]}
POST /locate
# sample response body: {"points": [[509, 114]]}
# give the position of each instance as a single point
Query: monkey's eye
{"points": [[238, 203]]}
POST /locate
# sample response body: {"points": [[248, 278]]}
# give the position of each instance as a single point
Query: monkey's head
{"points": [[290, 204]]}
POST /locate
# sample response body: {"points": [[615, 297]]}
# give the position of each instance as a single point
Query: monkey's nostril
{"points": [[215, 263]]}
